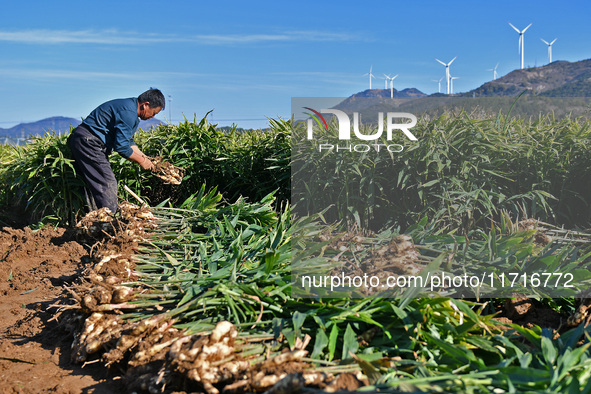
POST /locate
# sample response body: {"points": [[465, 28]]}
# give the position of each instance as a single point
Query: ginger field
{"points": [[190, 286]]}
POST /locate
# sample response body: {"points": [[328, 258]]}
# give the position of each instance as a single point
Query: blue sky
{"points": [[245, 60]]}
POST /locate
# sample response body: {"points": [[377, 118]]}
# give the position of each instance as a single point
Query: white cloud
{"points": [[116, 37], [260, 38], [111, 37], [40, 74]]}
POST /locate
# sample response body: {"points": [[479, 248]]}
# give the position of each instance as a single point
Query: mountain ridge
{"points": [[560, 88], [560, 78], [57, 124]]}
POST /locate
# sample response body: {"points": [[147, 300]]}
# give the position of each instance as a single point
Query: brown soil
{"points": [[34, 349]]}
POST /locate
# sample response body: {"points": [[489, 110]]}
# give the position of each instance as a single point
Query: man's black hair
{"points": [[154, 97]]}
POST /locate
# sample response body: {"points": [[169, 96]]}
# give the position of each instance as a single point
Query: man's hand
{"points": [[139, 157], [146, 164]]}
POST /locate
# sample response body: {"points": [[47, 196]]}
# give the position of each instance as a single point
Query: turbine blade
{"points": [[544, 41], [440, 62], [516, 29], [528, 26], [553, 41], [452, 60]]}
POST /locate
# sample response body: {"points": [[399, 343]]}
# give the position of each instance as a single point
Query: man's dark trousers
{"points": [[91, 161]]}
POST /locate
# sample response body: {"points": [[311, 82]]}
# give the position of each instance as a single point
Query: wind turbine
{"points": [[386, 78], [447, 71], [549, 48], [494, 70], [438, 84], [451, 83], [521, 42], [392, 85], [370, 76]]}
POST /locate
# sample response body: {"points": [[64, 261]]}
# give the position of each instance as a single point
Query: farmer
{"points": [[111, 127]]}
